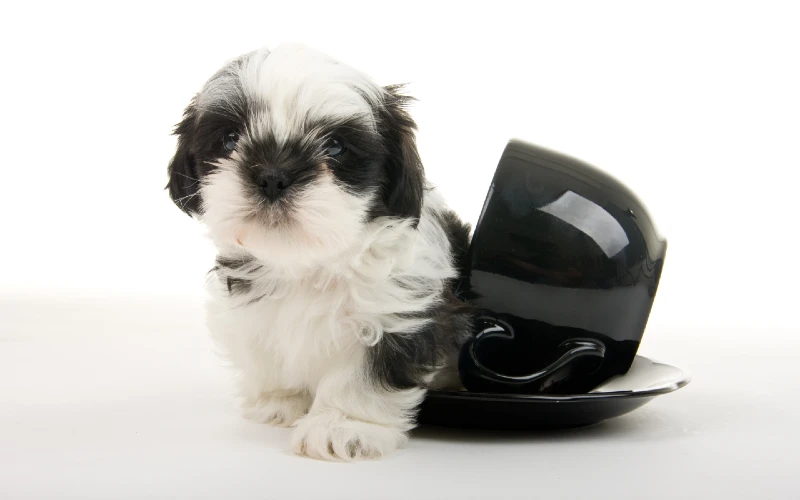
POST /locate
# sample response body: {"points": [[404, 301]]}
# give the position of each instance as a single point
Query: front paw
{"points": [[278, 409], [330, 435]]}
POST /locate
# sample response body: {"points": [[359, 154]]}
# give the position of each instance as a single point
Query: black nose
{"points": [[273, 182]]}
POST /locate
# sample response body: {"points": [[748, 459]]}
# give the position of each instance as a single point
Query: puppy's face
{"points": [[285, 155]]}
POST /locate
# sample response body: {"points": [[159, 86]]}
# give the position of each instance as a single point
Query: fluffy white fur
{"points": [[295, 86], [324, 223], [301, 347]]}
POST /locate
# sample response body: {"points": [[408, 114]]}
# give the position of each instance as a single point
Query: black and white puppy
{"points": [[335, 288]]}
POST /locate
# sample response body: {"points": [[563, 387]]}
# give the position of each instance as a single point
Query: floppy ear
{"points": [[405, 180], [184, 180]]}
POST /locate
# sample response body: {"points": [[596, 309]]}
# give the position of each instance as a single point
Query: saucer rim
{"points": [[666, 388]]}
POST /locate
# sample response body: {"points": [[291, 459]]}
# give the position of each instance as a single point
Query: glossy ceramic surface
{"points": [[645, 380], [564, 263]]}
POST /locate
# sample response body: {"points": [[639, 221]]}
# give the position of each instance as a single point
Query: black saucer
{"points": [[645, 380]]}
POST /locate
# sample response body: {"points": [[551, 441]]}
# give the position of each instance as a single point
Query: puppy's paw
{"points": [[330, 435], [279, 409]]}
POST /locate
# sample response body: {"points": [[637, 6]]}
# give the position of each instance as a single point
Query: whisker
{"points": [[178, 200], [187, 196], [184, 175], [190, 178]]}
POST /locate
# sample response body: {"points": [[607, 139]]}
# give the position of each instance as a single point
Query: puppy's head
{"points": [[285, 155]]}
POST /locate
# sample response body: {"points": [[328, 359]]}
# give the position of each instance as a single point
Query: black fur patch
{"points": [[458, 234], [401, 361], [236, 286], [403, 175], [200, 142]]}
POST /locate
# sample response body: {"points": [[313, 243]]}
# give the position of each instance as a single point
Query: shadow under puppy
{"points": [[334, 293]]}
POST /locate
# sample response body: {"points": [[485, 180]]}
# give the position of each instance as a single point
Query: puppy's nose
{"points": [[273, 182]]}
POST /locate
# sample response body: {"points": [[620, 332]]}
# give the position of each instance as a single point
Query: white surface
{"points": [[693, 105], [122, 398]]}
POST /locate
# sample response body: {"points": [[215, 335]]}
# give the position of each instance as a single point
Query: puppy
{"points": [[335, 293]]}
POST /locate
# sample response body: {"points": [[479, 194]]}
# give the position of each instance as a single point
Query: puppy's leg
{"points": [[353, 417], [265, 397]]}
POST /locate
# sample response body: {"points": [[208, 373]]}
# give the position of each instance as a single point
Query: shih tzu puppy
{"points": [[335, 292]]}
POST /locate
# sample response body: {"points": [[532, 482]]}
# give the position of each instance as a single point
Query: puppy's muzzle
{"points": [[273, 182]]}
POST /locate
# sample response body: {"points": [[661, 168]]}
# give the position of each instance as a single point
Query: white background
{"points": [[108, 386]]}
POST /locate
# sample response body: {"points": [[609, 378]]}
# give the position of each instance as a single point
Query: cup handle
{"points": [[572, 349]]}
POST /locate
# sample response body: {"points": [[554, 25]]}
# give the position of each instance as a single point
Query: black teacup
{"points": [[564, 265]]}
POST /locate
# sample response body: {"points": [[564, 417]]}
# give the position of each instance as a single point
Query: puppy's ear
{"points": [[184, 180], [405, 180]]}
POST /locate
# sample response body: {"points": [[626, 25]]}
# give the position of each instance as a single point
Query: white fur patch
{"points": [[321, 226]]}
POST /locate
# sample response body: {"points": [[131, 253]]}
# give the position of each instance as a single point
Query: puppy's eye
{"points": [[333, 147], [230, 140]]}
